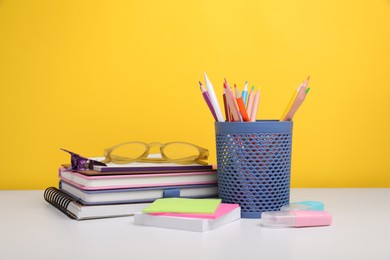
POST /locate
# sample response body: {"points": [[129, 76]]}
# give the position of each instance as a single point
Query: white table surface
{"points": [[30, 228]]}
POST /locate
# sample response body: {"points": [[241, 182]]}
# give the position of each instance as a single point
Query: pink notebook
{"points": [[222, 209]]}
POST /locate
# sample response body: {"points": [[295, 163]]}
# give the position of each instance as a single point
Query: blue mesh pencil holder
{"points": [[254, 163]]}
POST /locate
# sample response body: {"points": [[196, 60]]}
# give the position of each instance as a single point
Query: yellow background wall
{"points": [[85, 75]]}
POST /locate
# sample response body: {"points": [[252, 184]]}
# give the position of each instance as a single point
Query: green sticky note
{"points": [[182, 205]]}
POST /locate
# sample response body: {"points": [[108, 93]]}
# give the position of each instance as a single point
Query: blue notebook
{"points": [[149, 194]]}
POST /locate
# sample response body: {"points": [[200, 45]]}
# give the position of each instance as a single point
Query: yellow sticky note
{"points": [[183, 205]]}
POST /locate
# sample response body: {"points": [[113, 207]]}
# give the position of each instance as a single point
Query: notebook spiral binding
{"points": [[59, 199]]}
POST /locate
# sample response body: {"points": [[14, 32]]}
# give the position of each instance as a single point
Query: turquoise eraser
{"points": [[304, 205]]}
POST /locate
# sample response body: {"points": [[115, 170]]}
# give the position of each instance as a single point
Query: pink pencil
{"points": [[250, 101], [226, 107], [232, 103], [297, 103], [255, 106]]}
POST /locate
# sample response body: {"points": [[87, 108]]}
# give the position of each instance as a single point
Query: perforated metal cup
{"points": [[254, 164]]}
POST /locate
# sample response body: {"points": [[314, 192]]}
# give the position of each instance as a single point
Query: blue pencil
{"points": [[244, 93]]}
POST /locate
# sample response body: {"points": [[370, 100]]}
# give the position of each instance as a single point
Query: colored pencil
{"points": [[232, 103], [250, 101], [245, 93], [206, 97], [297, 103], [241, 105], [213, 98], [255, 106]]}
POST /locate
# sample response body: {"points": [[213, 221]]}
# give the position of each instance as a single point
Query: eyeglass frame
{"points": [[81, 163], [203, 154]]}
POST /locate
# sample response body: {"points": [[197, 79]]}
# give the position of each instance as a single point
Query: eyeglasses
{"points": [[81, 163], [175, 152]]}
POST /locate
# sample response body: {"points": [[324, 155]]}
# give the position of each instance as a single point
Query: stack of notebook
{"points": [[123, 189]]}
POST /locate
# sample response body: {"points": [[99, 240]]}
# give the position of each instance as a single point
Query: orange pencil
{"points": [[241, 105]]}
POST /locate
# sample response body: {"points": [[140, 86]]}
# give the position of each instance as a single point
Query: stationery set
{"points": [[176, 188], [109, 183]]}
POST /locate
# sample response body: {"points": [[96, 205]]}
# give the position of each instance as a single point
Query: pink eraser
{"points": [[296, 218]]}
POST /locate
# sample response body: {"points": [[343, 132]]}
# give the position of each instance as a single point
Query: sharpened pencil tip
{"points": [[200, 83], [308, 77]]}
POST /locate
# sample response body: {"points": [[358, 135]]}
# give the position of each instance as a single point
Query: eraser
{"points": [[296, 218], [304, 205]]}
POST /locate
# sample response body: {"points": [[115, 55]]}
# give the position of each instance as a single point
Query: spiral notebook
{"points": [[76, 210]]}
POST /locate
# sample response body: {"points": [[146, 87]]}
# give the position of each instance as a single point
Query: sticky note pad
{"points": [[182, 205], [223, 209]]}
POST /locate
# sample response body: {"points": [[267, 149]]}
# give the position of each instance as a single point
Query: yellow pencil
{"points": [[294, 96]]}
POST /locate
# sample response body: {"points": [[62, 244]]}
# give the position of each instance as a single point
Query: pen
{"points": [[245, 93], [206, 97], [241, 105], [255, 106], [213, 99]]}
